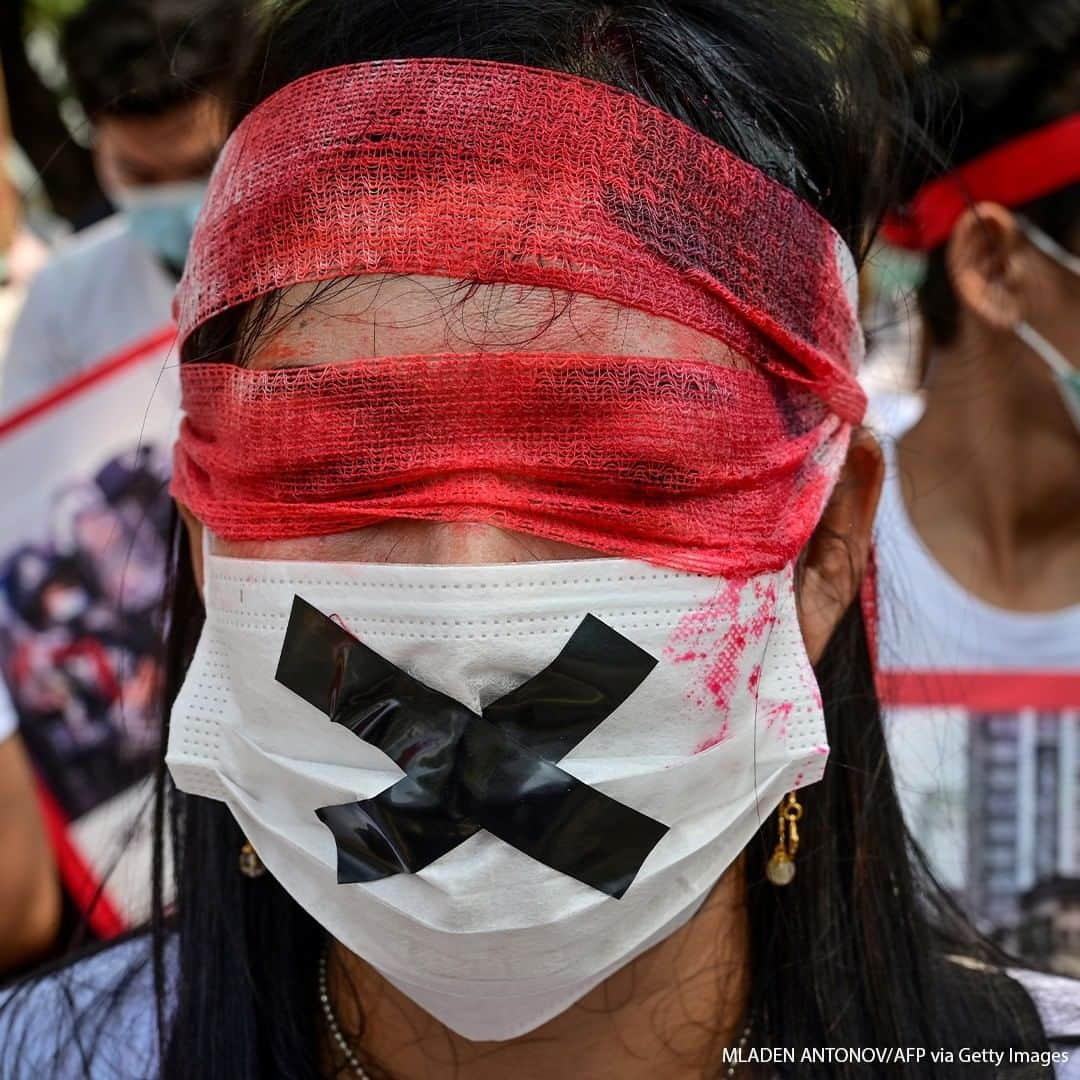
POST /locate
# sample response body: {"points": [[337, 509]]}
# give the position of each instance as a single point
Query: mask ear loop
{"points": [[207, 556], [1049, 246], [1065, 375], [1053, 359]]}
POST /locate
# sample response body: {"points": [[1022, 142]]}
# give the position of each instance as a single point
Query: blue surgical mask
{"points": [[162, 216], [1065, 375]]}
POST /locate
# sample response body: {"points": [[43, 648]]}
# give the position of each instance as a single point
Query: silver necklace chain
{"points": [[332, 1023], [744, 1038], [362, 1074]]}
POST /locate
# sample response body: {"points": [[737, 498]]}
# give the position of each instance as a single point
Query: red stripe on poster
{"points": [[85, 379], [86, 890], [982, 691]]}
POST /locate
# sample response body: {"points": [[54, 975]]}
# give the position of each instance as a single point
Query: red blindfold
{"points": [[497, 173]]}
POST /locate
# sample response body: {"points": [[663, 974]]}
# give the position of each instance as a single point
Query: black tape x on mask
{"points": [[496, 784]]}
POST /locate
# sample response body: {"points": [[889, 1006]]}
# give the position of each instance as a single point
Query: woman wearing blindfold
{"points": [[521, 719]]}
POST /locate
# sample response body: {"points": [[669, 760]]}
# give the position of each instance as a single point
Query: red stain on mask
{"points": [[712, 740], [715, 637], [777, 717]]}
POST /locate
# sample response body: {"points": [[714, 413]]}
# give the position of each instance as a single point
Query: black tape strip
{"points": [[552, 816], [596, 671], [465, 772]]}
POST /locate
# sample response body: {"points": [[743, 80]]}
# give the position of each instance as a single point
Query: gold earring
{"points": [[781, 866], [251, 866]]}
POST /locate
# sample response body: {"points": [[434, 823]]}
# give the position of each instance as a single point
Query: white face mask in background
{"points": [[719, 716], [1066, 377]]}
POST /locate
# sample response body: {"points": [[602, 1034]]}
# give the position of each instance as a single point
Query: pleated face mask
{"points": [[498, 784]]}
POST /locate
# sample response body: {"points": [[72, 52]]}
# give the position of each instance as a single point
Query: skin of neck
{"points": [[668, 1013], [991, 473]]}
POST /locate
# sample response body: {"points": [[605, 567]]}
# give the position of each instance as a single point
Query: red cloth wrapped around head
{"points": [[488, 172]]}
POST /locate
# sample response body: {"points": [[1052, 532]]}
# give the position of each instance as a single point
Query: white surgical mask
{"points": [[723, 717], [162, 216], [1066, 377]]}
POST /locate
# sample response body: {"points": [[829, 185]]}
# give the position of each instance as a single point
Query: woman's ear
{"points": [[832, 566], [194, 529], [984, 257]]}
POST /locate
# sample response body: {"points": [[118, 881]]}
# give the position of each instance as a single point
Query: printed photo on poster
{"points": [[83, 549]]}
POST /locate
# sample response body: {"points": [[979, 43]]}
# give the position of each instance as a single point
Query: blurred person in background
{"points": [[30, 902], [978, 534], [153, 77]]}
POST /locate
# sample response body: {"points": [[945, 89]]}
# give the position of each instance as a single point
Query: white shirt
{"points": [[930, 621], [983, 722], [101, 292]]}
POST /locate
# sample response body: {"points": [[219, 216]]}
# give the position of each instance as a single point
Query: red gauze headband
{"points": [[1012, 174], [498, 173]]}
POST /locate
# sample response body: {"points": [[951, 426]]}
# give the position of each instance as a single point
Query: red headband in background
{"points": [[497, 173], [1012, 174]]}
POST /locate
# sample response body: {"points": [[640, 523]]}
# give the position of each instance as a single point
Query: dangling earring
{"points": [[781, 866], [251, 866]]}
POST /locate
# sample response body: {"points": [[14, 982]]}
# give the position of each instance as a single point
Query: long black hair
{"points": [[848, 954]]}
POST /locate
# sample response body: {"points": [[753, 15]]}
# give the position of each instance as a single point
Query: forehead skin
{"points": [[372, 317]]}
